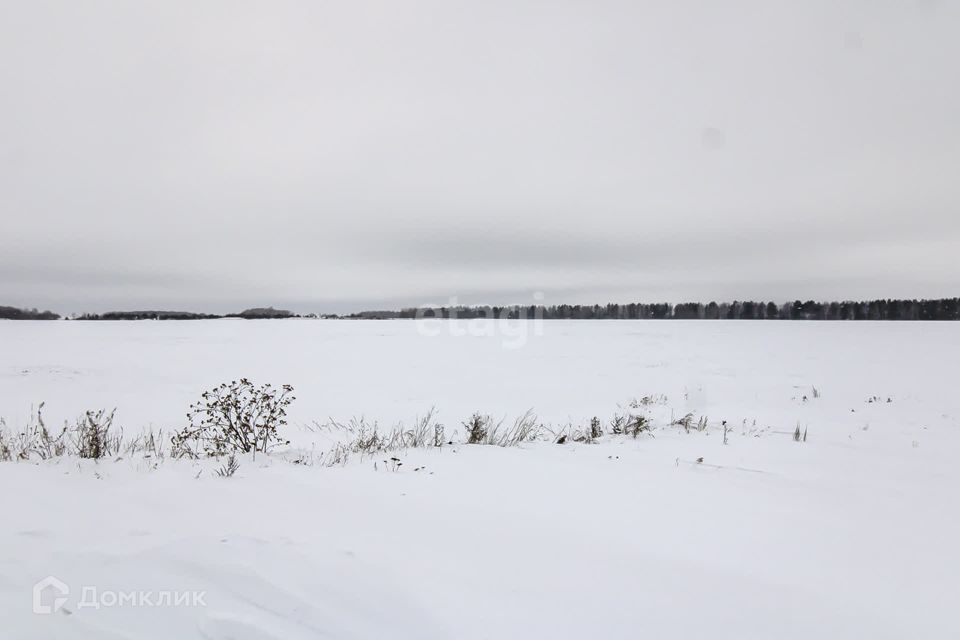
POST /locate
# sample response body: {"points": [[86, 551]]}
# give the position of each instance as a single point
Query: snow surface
{"points": [[852, 534]]}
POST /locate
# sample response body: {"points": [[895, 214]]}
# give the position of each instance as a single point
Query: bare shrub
{"points": [[230, 467], [478, 427], [595, 429], [685, 422], [637, 425], [35, 440], [94, 436], [235, 417], [368, 438], [6, 453], [617, 424]]}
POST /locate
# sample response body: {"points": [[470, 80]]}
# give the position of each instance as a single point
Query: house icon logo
{"points": [[49, 595]]}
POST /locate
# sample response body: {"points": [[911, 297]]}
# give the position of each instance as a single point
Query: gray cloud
{"points": [[588, 248], [327, 155]]}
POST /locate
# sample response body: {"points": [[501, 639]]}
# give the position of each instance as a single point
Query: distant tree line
{"points": [[146, 315], [12, 313], [263, 313], [258, 313], [374, 315], [941, 309]]}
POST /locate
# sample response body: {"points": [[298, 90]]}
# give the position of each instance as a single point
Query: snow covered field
{"points": [[850, 534]]}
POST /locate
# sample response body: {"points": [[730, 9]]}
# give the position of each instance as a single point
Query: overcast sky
{"points": [[333, 156]]}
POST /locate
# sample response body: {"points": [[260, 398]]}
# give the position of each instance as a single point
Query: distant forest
{"points": [[12, 313], [259, 313], [942, 309]]}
